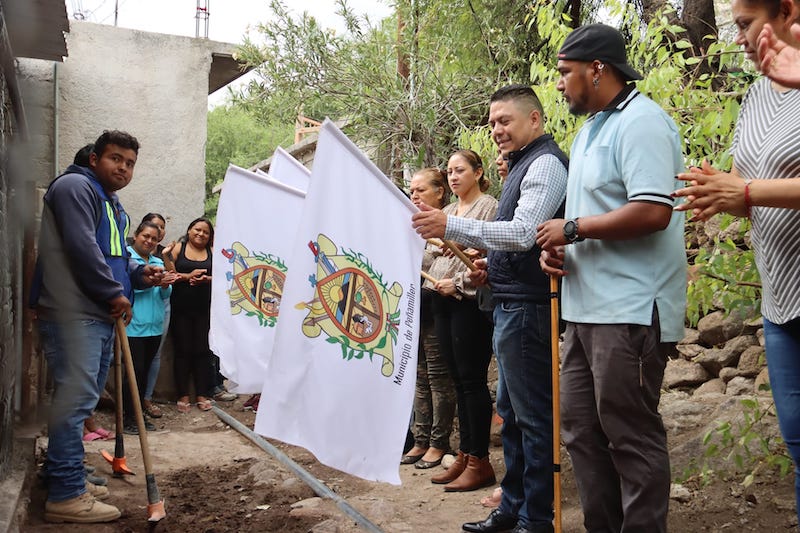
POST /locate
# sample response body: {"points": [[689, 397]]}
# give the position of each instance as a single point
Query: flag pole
{"points": [[429, 277], [554, 319], [461, 255]]}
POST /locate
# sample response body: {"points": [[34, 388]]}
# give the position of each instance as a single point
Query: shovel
{"points": [[118, 464], [155, 507]]}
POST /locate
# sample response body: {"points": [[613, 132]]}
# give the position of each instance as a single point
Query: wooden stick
{"points": [[429, 277], [461, 255], [436, 242], [556, 399], [155, 507]]}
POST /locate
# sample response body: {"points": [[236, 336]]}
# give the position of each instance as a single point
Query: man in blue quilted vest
{"points": [[83, 283], [533, 192]]}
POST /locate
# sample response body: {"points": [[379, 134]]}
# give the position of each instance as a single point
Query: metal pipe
{"points": [[316, 485]]}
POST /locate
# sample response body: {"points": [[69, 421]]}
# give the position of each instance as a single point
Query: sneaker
{"points": [[225, 396], [151, 409], [99, 492], [83, 509], [133, 429], [96, 480], [254, 407]]}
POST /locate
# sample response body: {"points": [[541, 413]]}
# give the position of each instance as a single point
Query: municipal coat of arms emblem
{"points": [[256, 283], [352, 305]]}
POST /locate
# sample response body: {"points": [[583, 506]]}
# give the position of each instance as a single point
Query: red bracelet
{"points": [[747, 204]]}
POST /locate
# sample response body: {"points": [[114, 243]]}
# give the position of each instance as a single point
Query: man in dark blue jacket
{"points": [[532, 193], [83, 283]]}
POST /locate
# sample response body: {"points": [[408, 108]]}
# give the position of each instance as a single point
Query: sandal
{"points": [[493, 500], [204, 405], [104, 433], [92, 436], [184, 407], [152, 410]]}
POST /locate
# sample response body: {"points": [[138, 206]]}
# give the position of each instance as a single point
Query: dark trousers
{"points": [[465, 341], [610, 388], [143, 350], [192, 355]]}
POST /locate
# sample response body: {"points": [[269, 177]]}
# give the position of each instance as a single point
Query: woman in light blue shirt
{"points": [[147, 325]]}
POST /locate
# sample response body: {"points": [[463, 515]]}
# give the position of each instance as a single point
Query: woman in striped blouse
{"points": [[766, 166]]}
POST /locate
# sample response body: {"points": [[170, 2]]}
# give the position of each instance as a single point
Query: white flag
{"points": [[253, 239], [288, 170], [340, 381]]}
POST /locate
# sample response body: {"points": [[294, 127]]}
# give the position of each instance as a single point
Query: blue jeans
{"points": [[155, 366], [525, 402], [78, 355], [783, 364]]}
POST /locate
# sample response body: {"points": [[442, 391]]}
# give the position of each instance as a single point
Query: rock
{"points": [[727, 374], [739, 386], [308, 503], [751, 361], [448, 460], [679, 493], [680, 413], [713, 386], [682, 373], [716, 328], [327, 526], [761, 384], [732, 231], [689, 351], [716, 359], [690, 336]]}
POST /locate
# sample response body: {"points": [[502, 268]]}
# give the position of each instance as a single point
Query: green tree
{"points": [[417, 86], [405, 85], [235, 136]]}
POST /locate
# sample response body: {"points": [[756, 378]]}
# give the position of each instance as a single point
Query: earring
{"points": [[596, 82]]}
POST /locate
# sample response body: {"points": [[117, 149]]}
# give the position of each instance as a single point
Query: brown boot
{"points": [[478, 474], [453, 472]]}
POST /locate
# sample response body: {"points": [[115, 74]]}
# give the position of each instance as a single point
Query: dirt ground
{"points": [[213, 480]]}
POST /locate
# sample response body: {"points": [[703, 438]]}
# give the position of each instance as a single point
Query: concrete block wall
{"points": [[153, 86], [8, 337]]}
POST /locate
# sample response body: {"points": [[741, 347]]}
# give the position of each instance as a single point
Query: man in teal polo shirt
{"points": [[621, 251]]}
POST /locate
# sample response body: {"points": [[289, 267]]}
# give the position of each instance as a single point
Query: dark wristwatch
{"points": [[571, 231]]}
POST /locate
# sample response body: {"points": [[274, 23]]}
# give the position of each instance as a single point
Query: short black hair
{"points": [[518, 91], [120, 138], [82, 156]]}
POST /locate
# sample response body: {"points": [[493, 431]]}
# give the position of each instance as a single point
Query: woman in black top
{"points": [[191, 312]]}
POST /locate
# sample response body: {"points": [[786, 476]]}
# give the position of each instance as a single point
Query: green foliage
{"points": [[459, 51], [234, 136], [727, 279], [456, 53], [747, 444]]}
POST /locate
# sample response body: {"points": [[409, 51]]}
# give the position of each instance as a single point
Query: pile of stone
{"points": [[725, 354]]}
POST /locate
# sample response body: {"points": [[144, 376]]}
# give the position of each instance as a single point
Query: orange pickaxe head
{"points": [[155, 511], [118, 464]]}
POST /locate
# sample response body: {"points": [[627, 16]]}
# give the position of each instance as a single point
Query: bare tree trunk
{"points": [[699, 19], [574, 7]]}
